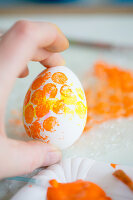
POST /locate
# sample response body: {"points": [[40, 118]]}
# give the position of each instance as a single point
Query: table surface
{"points": [[69, 8], [111, 142]]}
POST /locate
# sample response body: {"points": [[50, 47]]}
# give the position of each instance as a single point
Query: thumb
{"points": [[23, 157]]}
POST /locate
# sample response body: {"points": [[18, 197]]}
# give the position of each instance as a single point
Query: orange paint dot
{"points": [[59, 78], [42, 109], [50, 124], [58, 107], [27, 97], [67, 95], [113, 165], [27, 130], [38, 97], [78, 190], [66, 91], [50, 90], [29, 114], [37, 83], [46, 75], [35, 129]]}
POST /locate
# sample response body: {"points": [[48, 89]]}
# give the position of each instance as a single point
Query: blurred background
{"points": [[78, 2], [94, 5]]}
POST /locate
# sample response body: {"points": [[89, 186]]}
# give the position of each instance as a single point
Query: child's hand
{"points": [[25, 41]]}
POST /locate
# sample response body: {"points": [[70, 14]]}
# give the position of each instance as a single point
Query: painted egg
{"points": [[55, 108]]}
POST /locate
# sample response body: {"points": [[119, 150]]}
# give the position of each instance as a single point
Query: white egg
{"points": [[55, 108]]}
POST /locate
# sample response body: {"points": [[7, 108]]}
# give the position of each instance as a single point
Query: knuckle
{"points": [[31, 166], [24, 28]]}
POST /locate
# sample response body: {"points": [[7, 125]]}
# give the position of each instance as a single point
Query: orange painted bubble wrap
{"points": [[55, 107], [78, 190], [111, 94]]}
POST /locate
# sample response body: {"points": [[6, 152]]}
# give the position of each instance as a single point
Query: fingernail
{"points": [[58, 29], [52, 157]]}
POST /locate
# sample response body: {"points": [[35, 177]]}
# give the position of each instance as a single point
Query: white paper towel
{"points": [[73, 169]]}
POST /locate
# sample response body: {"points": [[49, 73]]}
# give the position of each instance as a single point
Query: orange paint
{"points": [[50, 89], [27, 97], [29, 114], [40, 80], [46, 75], [50, 123], [42, 109], [44, 138], [111, 96], [27, 130], [66, 91], [37, 83], [35, 129], [58, 107], [113, 165], [59, 78], [123, 177], [38, 97], [78, 190]]}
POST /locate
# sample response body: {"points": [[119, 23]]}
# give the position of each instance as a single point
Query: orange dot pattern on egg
{"points": [[81, 190], [50, 124], [35, 129], [46, 75], [58, 107], [50, 89], [59, 77], [38, 97], [37, 83], [27, 97], [42, 109], [27, 130], [29, 114], [66, 91], [67, 95], [111, 96]]}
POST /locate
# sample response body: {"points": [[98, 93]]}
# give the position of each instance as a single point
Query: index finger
{"points": [[45, 34], [19, 45]]}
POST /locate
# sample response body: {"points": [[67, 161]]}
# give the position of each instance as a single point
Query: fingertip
{"points": [[53, 60], [52, 158], [66, 44], [60, 43]]}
